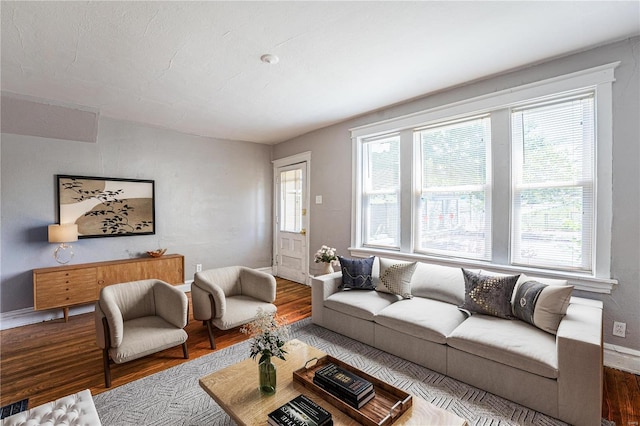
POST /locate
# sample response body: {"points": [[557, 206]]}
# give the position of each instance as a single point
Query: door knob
{"points": [[303, 231]]}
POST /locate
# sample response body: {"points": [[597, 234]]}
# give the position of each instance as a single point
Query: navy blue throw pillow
{"points": [[356, 273]]}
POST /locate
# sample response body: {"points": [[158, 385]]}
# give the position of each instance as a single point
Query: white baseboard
{"points": [[26, 316], [622, 358]]}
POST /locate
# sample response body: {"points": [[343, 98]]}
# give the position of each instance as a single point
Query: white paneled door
{"points": [[291, 222]]}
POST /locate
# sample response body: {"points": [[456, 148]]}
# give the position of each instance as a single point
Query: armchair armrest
{"points": [[257, 284], [580, 363], [201, 306], [171, 304], [322, 287], [107, 308]]}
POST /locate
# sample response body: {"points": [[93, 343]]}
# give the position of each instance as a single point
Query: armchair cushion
{"points": [[240, 310], [144, 336]]}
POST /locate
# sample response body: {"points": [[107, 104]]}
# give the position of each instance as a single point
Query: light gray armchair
{"points": [[229, 297], [138, 318]]}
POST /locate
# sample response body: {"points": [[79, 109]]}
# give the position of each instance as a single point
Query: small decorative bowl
{"points": [[157, 253]]}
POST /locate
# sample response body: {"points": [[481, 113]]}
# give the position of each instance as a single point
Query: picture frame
{"points": [[107, 207]]}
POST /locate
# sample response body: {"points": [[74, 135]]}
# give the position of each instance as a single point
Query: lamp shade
{"points": [[63, 233]]}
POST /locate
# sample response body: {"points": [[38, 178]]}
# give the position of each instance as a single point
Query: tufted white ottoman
{"points": [[72, 410]]}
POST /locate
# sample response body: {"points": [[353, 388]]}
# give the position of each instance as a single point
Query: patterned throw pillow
{"points": [[489, 295], [396, 277], [356, 273], [541, 305]]}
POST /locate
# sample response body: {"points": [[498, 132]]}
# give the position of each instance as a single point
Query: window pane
{"points": [[381, 190], [291, 200], [553, 185], [454, 207]]}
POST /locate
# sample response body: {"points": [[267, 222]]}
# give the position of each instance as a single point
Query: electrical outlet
{"points": [[198, 267], [619, 328]]}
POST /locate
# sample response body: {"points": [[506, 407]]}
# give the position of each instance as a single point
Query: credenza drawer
{"points": [[65, 288]]}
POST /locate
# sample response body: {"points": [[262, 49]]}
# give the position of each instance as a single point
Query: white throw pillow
{"points": [[395, 277]]}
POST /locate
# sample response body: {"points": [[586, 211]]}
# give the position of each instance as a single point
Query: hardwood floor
{"points": [[49, 360]]}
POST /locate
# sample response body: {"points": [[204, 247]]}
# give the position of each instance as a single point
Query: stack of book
{"points": [[300, 411], [344, 385]]}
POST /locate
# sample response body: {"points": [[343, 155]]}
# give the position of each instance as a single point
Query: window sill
{"points": [[580, 282]]}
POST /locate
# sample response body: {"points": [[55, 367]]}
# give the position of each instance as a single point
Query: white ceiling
{"points": [[195, 66]]}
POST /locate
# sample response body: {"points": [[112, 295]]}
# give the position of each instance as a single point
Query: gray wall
{"points": [[331, 166], [213, 200]]}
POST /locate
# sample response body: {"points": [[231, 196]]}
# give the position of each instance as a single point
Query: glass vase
{"points": [[267, 377]]}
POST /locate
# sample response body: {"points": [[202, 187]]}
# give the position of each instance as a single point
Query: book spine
{"points": [[350, 383], [346, 392], [337, 392]]}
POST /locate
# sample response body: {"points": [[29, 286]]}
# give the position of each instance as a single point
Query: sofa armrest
{"points": [[171, 304], [257, 284], [322, 287], [580, 363], [201, 305]]}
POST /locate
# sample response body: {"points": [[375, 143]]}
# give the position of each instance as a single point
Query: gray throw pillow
{"points": [[541, 305], [356, 273], [488, 295]]}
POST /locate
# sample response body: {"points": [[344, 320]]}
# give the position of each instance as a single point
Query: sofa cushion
{"points": [[490, 295], [514, 343], [541, 304], [360, 304], [426, 319], [356, 273], [395, 277]]}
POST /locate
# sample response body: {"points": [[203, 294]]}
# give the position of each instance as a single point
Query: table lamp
{"points": [[63, 234]]}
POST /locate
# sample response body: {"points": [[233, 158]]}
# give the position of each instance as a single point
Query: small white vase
{"points": [[328, 269]]}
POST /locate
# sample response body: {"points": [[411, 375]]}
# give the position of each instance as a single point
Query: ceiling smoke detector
{"points": [[269, 59]]}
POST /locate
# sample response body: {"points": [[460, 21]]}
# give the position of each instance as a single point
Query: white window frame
{"points": [[600, 79], [364, 167]]}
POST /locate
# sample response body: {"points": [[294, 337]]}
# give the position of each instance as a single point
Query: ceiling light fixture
{"points": [[269, 59]]}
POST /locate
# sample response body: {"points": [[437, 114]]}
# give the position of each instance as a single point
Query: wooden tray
{"points": [[386, 407]]}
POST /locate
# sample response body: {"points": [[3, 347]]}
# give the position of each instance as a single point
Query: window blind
{"points": [[455, 199], [553, 184]]}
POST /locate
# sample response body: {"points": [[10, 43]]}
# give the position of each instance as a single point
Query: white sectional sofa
{"points": [[559, 375]]}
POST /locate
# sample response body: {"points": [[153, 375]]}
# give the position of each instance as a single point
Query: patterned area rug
{"points": [[174, 397]]}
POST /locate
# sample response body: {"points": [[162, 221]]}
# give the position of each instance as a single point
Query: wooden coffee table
{"points": [[235, 389]]}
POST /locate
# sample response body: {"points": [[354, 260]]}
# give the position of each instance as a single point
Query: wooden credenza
{"points": [[69, 285]]}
